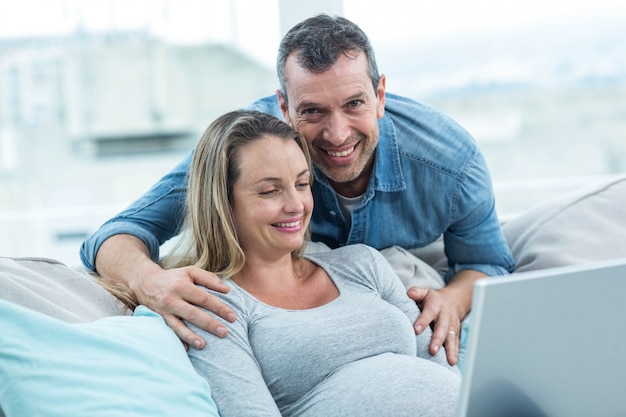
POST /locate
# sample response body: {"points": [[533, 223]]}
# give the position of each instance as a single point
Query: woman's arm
{"points": [[392, 290], [231, 369]]}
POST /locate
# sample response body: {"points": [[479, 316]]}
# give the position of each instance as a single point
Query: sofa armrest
{"points": [[52, 288]]}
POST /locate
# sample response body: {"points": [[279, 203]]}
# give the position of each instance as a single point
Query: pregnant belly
{"points": [[383, 385]]}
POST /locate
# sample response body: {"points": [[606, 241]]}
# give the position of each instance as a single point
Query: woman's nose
{"points": [[293, 201]]}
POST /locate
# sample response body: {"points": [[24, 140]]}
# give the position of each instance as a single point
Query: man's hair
{"points": [[317, 43]]}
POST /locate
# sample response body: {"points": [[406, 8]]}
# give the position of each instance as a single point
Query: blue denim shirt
{"points": [[429, 180]]}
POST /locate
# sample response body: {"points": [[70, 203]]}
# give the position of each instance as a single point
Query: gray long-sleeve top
{"points": [[357, 355]]}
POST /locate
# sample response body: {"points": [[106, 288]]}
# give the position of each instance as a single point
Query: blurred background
{"points": [[100, 98]]}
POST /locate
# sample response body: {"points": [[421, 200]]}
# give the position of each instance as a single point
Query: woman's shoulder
{"points": [[358, 253], [357, 263], [235, 298]]}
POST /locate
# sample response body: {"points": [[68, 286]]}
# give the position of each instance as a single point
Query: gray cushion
{"points": [[583, 226], [53, 288]]}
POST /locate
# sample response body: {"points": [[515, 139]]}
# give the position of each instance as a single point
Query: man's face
{"points": [[337, 112]]}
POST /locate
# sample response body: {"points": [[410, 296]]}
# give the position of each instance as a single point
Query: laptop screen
{"points": [[548, 343]]}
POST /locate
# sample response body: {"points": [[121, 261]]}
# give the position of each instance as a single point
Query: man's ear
{"points": [[380, 96], [283, 107]]}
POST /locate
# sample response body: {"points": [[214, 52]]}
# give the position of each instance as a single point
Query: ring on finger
{"points": [[452, 332]]}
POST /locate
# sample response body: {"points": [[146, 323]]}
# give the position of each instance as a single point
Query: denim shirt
{"points": [[429, 180]]}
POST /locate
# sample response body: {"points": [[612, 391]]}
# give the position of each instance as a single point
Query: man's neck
{"points": [[350, 189], [355, 187]]}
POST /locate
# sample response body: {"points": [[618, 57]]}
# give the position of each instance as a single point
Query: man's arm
{"points": [[154, 218], [172, 293], [476, 248], [126, 249]]}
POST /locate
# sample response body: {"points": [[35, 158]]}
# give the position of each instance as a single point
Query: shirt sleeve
{"points": [[475, 239], [154, 218], [231, 369], [390, 286]]}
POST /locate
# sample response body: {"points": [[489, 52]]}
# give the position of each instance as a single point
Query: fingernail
{"points": [[419, 328], [197, 343], [436, 348], [231, 317], [221, 331]]}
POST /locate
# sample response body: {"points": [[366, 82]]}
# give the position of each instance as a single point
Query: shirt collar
{"points": [[388, 175]]}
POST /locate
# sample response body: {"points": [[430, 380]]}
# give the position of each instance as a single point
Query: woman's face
{"points": [[272, 200]]}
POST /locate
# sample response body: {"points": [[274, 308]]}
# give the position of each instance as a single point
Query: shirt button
{"points": [[332, 213]]}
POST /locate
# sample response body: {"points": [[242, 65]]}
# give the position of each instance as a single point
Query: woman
{"points": [[327, 334]]}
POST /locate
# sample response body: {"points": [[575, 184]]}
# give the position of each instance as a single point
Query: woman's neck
{"points": [[290, 284]]}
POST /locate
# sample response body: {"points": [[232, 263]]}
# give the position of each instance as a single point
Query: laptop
{"points": [[548, 343]]}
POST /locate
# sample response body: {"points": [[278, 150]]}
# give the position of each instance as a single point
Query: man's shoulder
{"points": [[397, 104], [411, 115], [425, 133], [269, 105]]}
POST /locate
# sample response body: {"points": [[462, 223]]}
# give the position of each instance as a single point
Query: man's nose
{"points": [[337, 128]]}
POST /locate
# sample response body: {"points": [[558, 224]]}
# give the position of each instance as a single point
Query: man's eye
{"points": [[355, 103], [308, 112]]}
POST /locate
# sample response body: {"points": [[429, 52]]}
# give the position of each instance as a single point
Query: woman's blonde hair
{"points": [[209, 239]]}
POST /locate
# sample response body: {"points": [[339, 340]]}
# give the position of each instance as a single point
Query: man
{"points": [[388, 172]]}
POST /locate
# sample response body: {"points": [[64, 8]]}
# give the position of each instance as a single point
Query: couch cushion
{"points": [[53, 288], [583, 226], [117, 366]]}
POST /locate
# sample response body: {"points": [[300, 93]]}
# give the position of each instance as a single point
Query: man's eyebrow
{"points": [[306, 105], [358, 95], [311, 104]]}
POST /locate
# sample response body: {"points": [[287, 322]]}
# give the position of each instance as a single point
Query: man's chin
{"points": [[343, 177]]}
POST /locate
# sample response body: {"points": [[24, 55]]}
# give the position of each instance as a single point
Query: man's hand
{"points": [[445, 308], [172, 293], [175, 294], [435, 308]]}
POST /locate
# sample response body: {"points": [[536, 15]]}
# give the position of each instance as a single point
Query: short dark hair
{"points": [[318, 42]]}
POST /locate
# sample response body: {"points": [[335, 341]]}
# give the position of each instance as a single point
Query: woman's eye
{"points": [[268, 192]]}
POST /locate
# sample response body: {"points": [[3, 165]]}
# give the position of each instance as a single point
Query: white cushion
{"points": [[582, 226], [52, 288]]}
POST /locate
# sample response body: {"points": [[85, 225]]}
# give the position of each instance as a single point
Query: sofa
{"points": [[65, 320]]}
